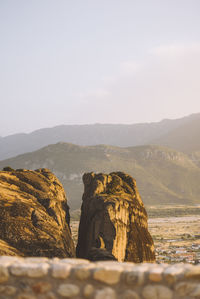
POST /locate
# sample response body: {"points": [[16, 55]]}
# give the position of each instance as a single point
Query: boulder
{"points": [[34, 215], [113, 220]]}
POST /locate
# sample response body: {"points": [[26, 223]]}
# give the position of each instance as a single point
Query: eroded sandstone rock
{"points": [[113, 218], [34, 215]]}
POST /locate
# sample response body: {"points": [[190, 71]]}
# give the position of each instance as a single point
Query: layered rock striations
{"points": [[113, 220], [34, 215]]}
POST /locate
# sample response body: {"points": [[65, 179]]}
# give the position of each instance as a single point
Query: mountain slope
{"points": [[116, 135], [185, 137], [164, 176]]}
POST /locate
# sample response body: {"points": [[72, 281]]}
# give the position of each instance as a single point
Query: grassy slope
{"points": [[164, 176]]}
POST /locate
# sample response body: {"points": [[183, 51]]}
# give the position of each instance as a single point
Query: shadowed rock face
{"points": [[113, 219], [34, 215]]}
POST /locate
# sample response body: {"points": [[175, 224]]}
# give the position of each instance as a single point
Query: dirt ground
{"points": [[176, 239]]}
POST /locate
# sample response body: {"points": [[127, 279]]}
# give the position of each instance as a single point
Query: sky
{"points": [[97, 61]]}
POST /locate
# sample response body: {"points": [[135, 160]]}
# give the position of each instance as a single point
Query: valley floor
{"points": [[176, 239]]}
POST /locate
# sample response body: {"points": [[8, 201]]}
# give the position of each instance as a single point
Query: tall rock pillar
{"points": [[113, 222]]}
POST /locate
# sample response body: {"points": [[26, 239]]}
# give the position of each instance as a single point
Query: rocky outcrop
{"points": [[34, 215], [113, 220]]}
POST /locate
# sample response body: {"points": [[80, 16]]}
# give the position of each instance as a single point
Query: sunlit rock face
{"points": [[113, 219], [34, 215]]}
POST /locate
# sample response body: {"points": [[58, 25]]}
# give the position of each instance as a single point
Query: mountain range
{"points": [[164, 176], [163, 157], [181, 134]]}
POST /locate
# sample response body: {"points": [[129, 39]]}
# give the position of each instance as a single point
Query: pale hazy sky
{"points": [[97, 61]]}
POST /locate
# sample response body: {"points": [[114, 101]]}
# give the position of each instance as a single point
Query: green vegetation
{"points": [[160, 212], [164, 176]]}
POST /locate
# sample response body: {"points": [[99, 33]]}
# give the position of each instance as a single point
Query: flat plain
{"points": [[176, 239]]}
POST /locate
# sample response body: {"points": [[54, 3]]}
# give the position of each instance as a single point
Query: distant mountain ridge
{"points": [[185, 137], [164, 176], [173, 133]]}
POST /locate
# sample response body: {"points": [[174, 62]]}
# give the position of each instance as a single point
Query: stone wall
{"points": [[29, 278]]}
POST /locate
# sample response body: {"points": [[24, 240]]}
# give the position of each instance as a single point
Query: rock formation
{"points": [[34, 215], [113, 220]]}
